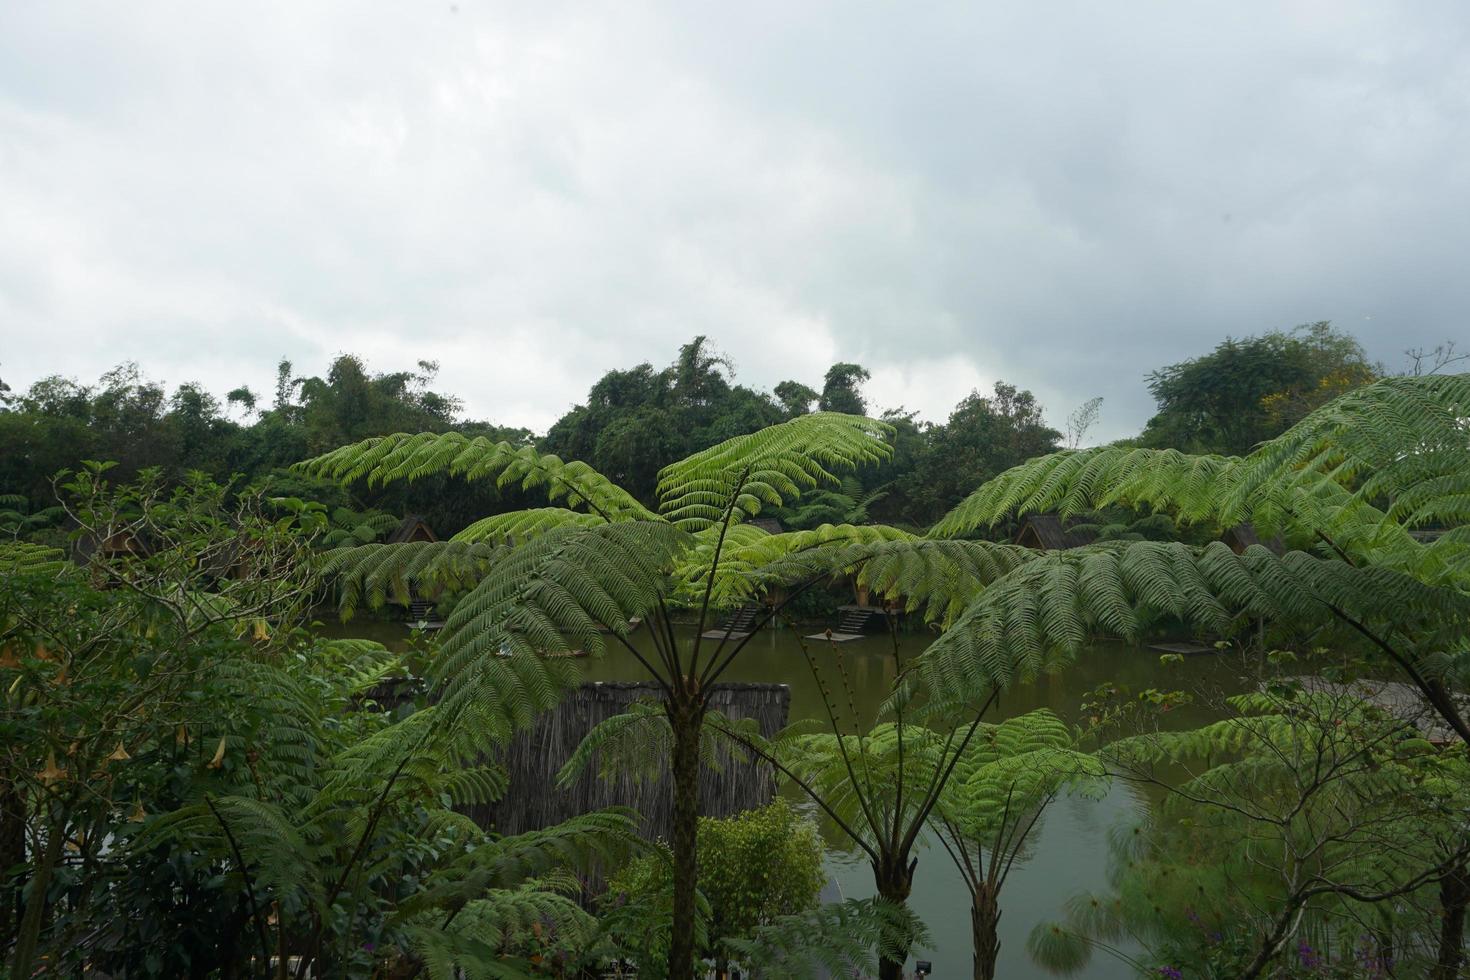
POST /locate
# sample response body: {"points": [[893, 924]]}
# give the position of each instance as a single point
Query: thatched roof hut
{"points": [[535, 755], [768, 524], [1243, 535], [411, 528], [118, 544], [1048, 532]]}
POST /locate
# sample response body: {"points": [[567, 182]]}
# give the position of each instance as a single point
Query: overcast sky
{"points": [[1061, 195]]}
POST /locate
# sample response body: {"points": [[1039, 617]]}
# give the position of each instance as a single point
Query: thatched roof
{"points": [[1243, 535], [1047, 532], [412, 528], [768, 524], [115, 545], [536, 754]]}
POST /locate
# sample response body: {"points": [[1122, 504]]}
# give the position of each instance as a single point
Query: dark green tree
{"points": [[842, 389], [1246, 391], [795, 397], [984, 436]]}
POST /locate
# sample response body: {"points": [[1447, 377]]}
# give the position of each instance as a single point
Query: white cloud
{"points": [[1063, 197]]}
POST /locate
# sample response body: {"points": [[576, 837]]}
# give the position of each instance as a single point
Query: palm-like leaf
{"points": [[1054, 604], [740, 476], [411, 457]]}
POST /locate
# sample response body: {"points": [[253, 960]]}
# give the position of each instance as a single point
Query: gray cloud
{"points": [[1065, 196]]}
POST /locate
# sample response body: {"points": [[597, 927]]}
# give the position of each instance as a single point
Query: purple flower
{"points": [[1171, 973]]}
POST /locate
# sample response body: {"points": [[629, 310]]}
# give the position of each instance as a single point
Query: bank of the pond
{"points": [[1069, 854]]}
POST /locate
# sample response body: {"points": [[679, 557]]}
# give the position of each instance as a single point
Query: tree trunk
{"points": [[1454, 897], [895, 880], [984, 917], [12, 856], [685, 719], [28, 939]]}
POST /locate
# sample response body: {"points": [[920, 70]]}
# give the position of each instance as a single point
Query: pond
{"points": [[1069, 852]]}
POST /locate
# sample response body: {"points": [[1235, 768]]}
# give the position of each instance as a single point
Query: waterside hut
{"points": [[1048, 532]]}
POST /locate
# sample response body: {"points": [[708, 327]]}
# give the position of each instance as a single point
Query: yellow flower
{"points": [[219, 755], [119, 754]]}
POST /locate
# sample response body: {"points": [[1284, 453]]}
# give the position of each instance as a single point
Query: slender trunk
{"points": [[12, 856], [28, 939], [895, 880], [1454, 898], [984, 917], [685, 718]]}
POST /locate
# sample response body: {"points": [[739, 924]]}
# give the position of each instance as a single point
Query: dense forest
{"points": [[634, 420]]}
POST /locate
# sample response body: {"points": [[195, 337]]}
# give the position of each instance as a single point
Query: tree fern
{"points": [[411, 457], [768, 468], [1355, 476], [1057, 602], [521, 525]]}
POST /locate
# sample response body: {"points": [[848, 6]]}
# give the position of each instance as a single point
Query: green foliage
{"points": [[1306, 818], [842, 939], [984, 436], [842, 389], [1007, 774], [1250, 390], [767, 468], [206, 777], [409, 457], [757, 869], [1051, 606]]}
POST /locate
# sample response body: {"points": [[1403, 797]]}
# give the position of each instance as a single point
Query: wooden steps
{"points": [[737, 626]]}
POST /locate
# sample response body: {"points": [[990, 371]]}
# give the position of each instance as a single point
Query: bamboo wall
{"points": [[535, 755]]}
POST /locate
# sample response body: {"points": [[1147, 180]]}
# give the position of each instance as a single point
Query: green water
{"points": [[1069, 851]]}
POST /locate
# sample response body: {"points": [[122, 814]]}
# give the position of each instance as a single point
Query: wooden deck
{"points": [[1187, 649], [835, 637], [718, 634]]}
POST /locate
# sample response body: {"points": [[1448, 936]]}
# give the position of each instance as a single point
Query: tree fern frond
{"points": [[554, 595], [938, 578], [768, 468], [1006, 636], [521, 525], [373, 574], [411, 457]]}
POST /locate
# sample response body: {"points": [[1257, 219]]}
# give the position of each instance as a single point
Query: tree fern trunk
{"points": [[685, 719], [1454, 897], [895, 881], [984, 916]]}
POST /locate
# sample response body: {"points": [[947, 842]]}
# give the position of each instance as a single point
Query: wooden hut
{"points": [[536, 754], [414, 528], [1243, 536], [768, 524], [118, 544], [1048, 532], [411, 528]]}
